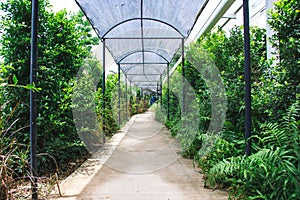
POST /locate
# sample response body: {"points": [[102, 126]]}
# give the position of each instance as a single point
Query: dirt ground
{"points": [[141, 162]]}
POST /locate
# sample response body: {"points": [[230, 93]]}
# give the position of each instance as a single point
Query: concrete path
{"points": [[141, 162]]}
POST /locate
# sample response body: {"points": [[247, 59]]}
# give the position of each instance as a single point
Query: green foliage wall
{"points": [[284, 20], [108, 116], [63, 45], [227, 54], [272, 172]]}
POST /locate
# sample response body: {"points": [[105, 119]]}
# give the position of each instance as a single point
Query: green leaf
{"points": [[15, 79]]}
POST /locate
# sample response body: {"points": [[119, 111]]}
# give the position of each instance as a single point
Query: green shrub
{"points": [[13, 154], [284, 21], [63, 45], [271, 173]]}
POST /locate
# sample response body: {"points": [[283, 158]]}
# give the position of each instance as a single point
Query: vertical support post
{"points": [[157, 83], [126, 98], [33, 103], [168, 92], [247, 78], [103, 90], [130, 102], [183, 75], [137, 100], [119, 95], [161, 102]]}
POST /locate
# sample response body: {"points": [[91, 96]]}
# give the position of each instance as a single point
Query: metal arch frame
{"points": [[144, 74], [136, 75], [147, 80], [143, 81], [145, 63], [149, 83], [33, 68], [146, 85], [246, 64], [145, 38], [135, 66], [149, 87], [145, 51], [140, 51], [142, 36], [141, 18]]}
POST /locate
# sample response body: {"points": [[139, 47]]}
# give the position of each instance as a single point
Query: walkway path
{"points": [[142, 162]]}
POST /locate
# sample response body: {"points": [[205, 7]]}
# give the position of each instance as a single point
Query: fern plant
{"points": [[271, 173]]}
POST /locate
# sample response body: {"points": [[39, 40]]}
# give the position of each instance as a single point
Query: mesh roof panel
{"points": [[121, 48], [151, 28], [142, 35], [106, 14], [144, 78], [144, 69], [144, 57]]}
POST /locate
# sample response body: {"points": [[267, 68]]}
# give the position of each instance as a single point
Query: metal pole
{"points": [[183, 74], [168, 92], [138, 98], [103, 91], [247, 78], [130, 102], [161, 102], [119, 95], [126, 98], [33, 103], [157, 92]]}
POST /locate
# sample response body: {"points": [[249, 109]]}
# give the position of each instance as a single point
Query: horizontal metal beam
{"points": [[144, 74], [154, 85], [140, 86], [146, 38], [150, 81], [146, 63]]}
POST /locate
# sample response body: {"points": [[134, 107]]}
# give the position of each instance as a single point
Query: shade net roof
{"points": [[142, 35]]}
